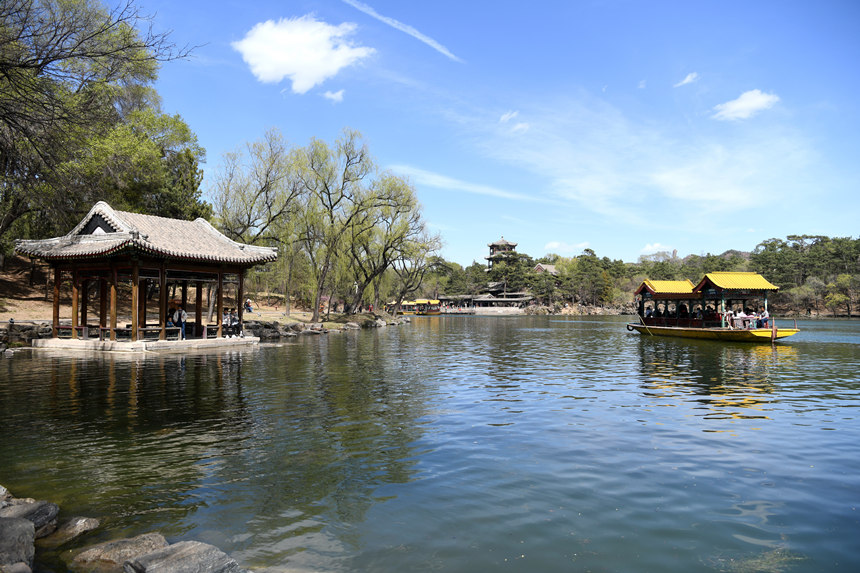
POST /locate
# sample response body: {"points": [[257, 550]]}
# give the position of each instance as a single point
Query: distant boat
{"points": [[427, 307], [681, 309]]}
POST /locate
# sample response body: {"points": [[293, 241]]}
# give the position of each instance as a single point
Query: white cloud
{"points": [[562, 248], [520, 128], [430, 179], [405, 28], [652, 248], [597, 164], [336, 97], [691, 77], [305, 50], [508, 116], [748, 104], [643, 84]]}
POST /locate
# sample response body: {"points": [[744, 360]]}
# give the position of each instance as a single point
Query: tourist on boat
{"points": [[763, 318], [729, 317], [649, 312]]}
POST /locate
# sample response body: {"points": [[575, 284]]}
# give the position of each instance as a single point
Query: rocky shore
{"points": [[29, 526]]}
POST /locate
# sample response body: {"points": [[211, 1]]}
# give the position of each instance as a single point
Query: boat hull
{"points": [[737, 335]]}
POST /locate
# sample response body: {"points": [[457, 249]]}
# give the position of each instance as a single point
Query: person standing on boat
{"points": [[763, 318]]}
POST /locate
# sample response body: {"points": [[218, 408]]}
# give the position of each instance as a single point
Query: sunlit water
{"points": [[459, 444]]}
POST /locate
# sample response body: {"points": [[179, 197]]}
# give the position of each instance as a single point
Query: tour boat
{"points": [[427, 307], [704, 310]]}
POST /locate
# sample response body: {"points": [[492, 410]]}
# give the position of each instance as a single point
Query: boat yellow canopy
{"points": [[735, 281]]}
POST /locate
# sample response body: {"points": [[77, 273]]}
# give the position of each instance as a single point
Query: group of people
{"points": [[230, 323], [743, 318], [747, 318], [178, 318]]}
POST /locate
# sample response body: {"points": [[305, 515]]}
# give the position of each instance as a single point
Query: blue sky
{"points": [[626, 127]]}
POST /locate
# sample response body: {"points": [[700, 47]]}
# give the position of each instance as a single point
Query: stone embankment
{"points": [[273, 330], [23, 333], [24, 520], [582, 309]]}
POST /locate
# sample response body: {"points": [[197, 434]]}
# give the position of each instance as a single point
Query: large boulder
{"points": [[111, 555], [17, 537], [43, 514], [184, 557], [71, 529], [16, 568]]}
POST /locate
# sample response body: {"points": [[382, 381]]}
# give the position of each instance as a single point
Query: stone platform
{"points": [[142, 345]]}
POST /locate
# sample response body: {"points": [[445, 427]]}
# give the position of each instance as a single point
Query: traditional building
{"points": [[111, 248], [500, 250], [545, 268]]}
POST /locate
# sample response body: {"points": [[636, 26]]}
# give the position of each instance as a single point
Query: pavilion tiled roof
{"points": [[194, 240], [501, 243]]}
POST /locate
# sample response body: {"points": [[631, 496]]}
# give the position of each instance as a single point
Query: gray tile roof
{"points": [[194, 240]]}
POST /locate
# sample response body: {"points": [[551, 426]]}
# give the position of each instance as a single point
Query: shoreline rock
{"points": [[24, 520]]}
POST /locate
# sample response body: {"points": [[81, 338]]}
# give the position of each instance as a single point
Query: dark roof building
{"points": [[113, 247]]}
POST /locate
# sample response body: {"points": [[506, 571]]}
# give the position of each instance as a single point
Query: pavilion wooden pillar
{"points": [[219, 318], [198, 309], [184, 295], [162, 302], [75, 297], [55, 329], [113, 302], [240, 299], [85, 289], [135, 298]]}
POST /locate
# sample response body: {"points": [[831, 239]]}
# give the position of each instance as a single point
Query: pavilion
{"points": [[112, 248]]}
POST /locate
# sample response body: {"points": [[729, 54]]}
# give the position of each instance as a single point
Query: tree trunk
{"points": [[211, 302], [288, 286]]}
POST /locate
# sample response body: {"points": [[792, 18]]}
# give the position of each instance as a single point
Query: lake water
{"points": [[459, 444]]}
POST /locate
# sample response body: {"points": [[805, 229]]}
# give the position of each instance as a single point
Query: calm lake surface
{"points": [[459, 444]]}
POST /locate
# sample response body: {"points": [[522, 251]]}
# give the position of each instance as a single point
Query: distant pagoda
{"points": [[500, 250]]}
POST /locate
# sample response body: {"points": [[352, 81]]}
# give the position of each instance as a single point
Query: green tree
{"points": [[256, 194], [388, 229], [63, 68]]}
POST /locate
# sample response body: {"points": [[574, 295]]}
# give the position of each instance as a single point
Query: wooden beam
{"points": [[240, 299], [113, 303], [219, 319], [162, 302], [58, 274], [75, 297], [85, 289], [135, 295], [198, 309]]}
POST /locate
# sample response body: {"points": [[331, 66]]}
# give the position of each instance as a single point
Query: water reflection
{"points": [[726, 380], [181, 444]]}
